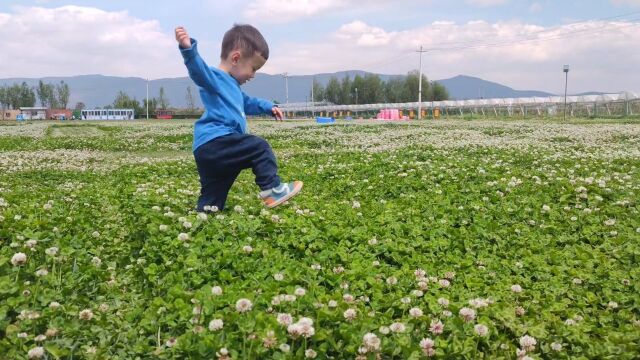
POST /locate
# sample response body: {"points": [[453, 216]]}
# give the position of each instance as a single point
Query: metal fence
{"points": [[619, 104]]}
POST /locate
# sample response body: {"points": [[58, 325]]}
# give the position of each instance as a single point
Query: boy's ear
{"points": [[235, 57]]}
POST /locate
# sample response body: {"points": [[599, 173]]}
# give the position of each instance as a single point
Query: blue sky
{"points": [[520, 43]]}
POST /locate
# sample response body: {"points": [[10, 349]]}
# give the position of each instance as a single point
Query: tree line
{"points": [[22, 95], [370, 89], [161, 102]]}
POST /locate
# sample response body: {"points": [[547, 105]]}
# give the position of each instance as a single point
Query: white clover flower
{"points": [[528, 343], [371, 342], [216, 324], [355, 205], [284, 319], [569, 322], [447, 313], [332, 303], [556, 346], [467, 314], [183, 237], [171, 342], [520, 311], [42, 272], [289, 298], [96, 261], [54, 305], [31, 244], [375, 263], [300, 292], [481, 330], [52, 251], [95, 234], [316, 267], [415, 312], [516, 288], [610, 222], [545, 208], [36, 352], [392, 280], [85, 314], [405, 300], [247, 249], [278, 276], [612, 305], [284, 348], [103, 307], [216, 291], [350, 314], [444, 283], [187, 225], [40, 338], [436, 327], [18, 259], [577, 281], [310, 354], [397, 327], [243, 305], [384, 330], [427, 344], [348, 298], [419, 273], [417, 293], [202, 216]]}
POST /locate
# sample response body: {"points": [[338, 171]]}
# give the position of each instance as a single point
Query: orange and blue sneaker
{"points": [[280, 193]]}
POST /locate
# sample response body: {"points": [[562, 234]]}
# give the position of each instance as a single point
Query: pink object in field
{"points": [[389, 114]]}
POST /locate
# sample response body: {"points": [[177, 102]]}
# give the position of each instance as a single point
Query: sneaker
{"points": [[280, 194]]}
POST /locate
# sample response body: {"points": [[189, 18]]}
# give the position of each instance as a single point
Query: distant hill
{"points": [[100, 90]]}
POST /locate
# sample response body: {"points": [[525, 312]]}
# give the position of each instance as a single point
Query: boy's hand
{"points": [[183, 38], [277, 113]]}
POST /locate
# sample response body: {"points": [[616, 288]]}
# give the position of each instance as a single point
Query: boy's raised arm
{"points": [[199, 71], [257, 106]]}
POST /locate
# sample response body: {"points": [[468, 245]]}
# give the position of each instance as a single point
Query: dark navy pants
{"points": [[220, 161]]}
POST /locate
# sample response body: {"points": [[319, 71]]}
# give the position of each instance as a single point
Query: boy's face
{"points": [[244, 67]]}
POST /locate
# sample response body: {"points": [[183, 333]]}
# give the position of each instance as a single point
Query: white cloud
{"points": [[601, 54], [72, 40], [486, 3], [289, 10]]}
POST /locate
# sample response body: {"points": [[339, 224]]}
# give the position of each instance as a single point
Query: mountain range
{"points": [[100, 90]]}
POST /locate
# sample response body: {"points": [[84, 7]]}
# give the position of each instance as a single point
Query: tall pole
{"points": [[356, 112], [286, 87], [313, 82], [420, 85], [566, 81], [147, 98]]}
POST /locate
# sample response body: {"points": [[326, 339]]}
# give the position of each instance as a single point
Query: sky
{"points": [[519, 43]]}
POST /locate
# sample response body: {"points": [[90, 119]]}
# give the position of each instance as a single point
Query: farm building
{"points": [[9, 114], [34, 113]]}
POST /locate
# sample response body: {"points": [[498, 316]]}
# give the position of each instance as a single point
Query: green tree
{"points": [[26, 96], [439, 92], [332, 92], [43, 96], [318, 93], [358, 83], [4, 99], [163, 102], [123, 101], [393, 90], [63, 93], [346, 91], [372, 91]]}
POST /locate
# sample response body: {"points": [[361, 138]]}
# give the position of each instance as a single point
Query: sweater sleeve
{"points": [[199, 71], [256, 106]]}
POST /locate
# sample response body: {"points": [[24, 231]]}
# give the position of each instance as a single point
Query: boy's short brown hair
{"points": [[247, 39]]}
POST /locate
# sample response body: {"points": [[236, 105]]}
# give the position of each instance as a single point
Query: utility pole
{"points": [[420, 85], [147, 98], [313, 83], [566, 81], [286, 87], [356, 112]]}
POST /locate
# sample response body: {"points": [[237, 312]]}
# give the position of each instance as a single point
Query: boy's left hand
{"points": [[277, 113]]}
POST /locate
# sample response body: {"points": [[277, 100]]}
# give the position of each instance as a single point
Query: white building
{"points": [[34, 113], [107, 114]]}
